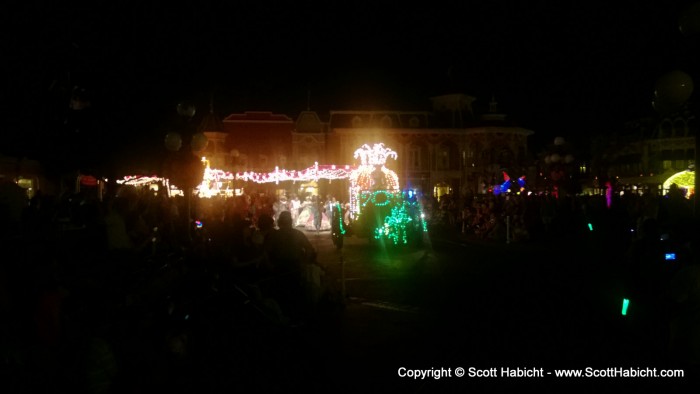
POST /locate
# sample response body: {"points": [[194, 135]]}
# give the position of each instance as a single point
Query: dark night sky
{"points": [[557, 67]]}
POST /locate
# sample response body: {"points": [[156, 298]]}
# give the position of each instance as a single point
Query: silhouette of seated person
{"points": [[289, 250]]}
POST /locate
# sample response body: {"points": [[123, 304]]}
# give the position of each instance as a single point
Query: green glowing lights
{"points": [[590, 226], [339, 218], [396, 225], [380, 198], [625, 306]]}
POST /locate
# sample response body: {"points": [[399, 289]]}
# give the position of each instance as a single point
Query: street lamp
{"points": [[184, 166]]}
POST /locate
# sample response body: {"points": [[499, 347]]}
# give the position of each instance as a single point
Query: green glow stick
{"points": [[625, 305], [590, 226]]}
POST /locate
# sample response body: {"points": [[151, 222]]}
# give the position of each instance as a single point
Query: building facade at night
{"points": [[649, 151], [252, 141], [449, 150]]}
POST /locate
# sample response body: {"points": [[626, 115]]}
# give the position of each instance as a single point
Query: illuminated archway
{"points": [[684, 179]]}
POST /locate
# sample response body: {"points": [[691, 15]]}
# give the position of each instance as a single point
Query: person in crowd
{"points": [[519, 229], [239, 238], [548, 209], [496, 229], [281, 204], [318, 212], [329, 207], [264, 229], [290, 251], [305, 216], [347, 215], [115, 223], [294, 207]]}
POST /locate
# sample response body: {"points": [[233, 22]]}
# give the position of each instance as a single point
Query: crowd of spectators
{"points": [[74, 265], [537, 216], [647, 243], [71, 260]]}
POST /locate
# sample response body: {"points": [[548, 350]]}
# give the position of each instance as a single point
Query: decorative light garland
{"points": [[140, 180], [314, 173]]}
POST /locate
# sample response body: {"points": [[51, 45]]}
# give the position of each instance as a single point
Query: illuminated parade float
{"points": [[379, 209]]}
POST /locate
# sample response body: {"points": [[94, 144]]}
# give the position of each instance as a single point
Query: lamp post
{"points": [[184, 166]]}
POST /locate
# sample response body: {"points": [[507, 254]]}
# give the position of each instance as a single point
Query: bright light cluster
{"points": [[361, 181], [139, 180], [213, 179], [375, 155], [507, 184], [313, 173], [365, 178], [684, 180]]}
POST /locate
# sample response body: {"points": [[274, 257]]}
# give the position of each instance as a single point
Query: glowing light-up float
{"points": [[371, 180], [380, 209], [378, 206]]}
